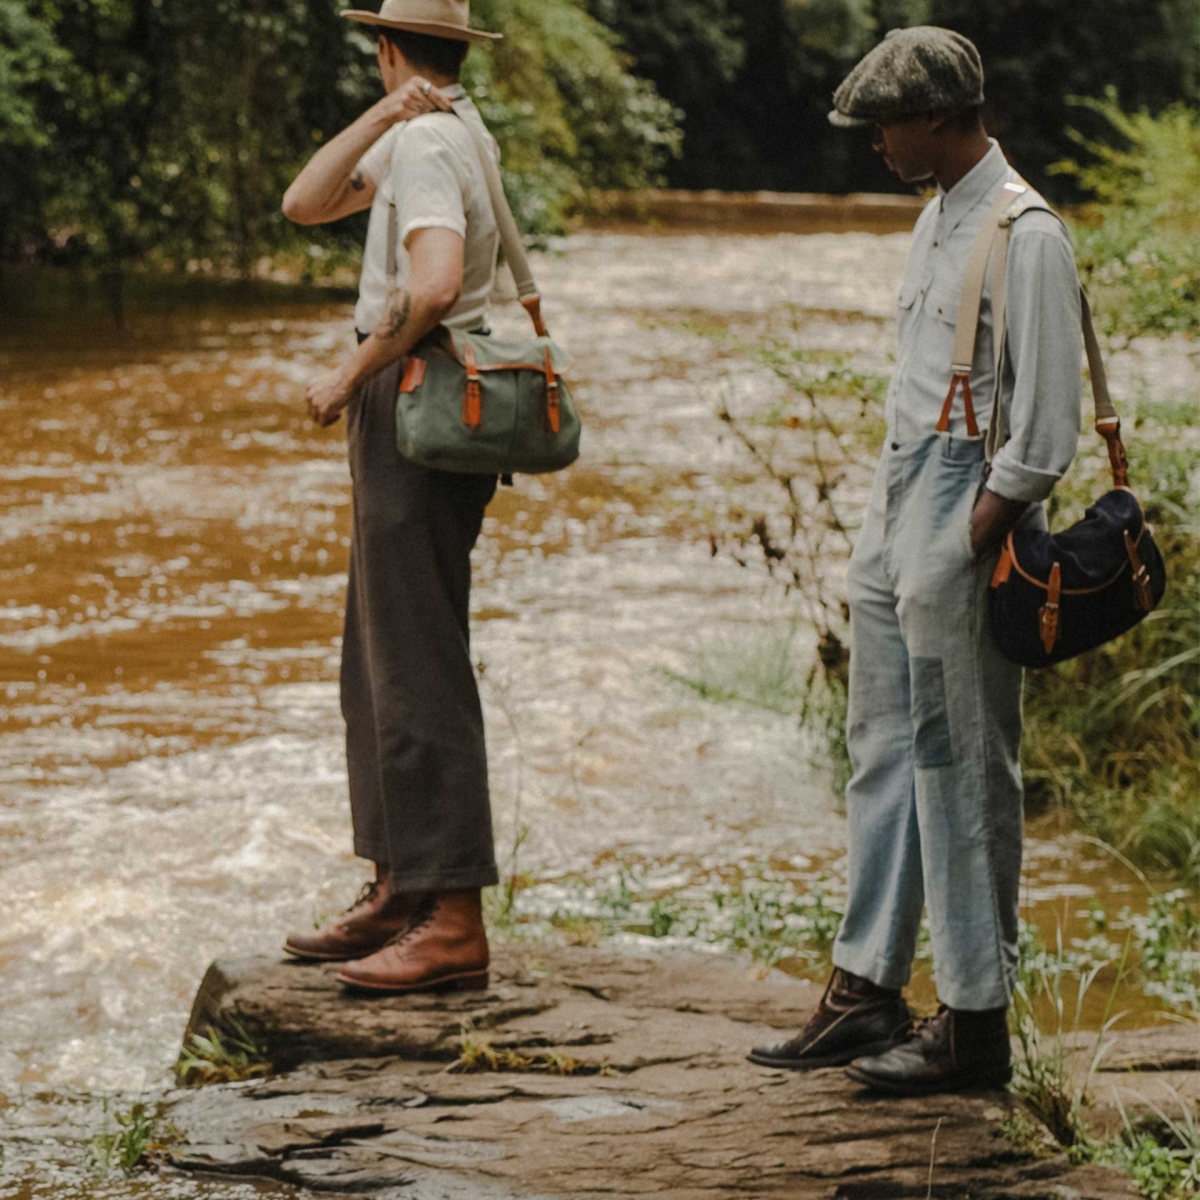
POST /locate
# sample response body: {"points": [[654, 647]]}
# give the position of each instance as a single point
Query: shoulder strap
{"points": [[966, 324], [510, 235], [991, 250]]}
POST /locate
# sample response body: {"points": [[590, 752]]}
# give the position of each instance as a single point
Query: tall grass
{"points": [[1113, 736], [1159, 1152]]}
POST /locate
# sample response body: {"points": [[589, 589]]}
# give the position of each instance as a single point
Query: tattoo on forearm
{"points": [[357, 182], [399, 307]]}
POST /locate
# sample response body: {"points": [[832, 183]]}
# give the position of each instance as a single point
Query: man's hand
{"points": [[416, 97], [330, 186], [992, 518], [327, 396]]}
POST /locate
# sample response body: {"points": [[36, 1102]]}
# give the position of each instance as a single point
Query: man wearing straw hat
{"points": [[414, 726]]}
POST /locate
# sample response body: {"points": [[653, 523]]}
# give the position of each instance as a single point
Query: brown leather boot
{"points": [[954, 1051], [377, 916], [855, 1017], [445, 947]]}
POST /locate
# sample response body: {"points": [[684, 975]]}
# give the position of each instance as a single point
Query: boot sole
{"points": [[995, 1081], [317, 956], [468, 981], [817, 1064]]}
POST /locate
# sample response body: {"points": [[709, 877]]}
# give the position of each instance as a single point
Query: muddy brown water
{"points": [[173, 542]]}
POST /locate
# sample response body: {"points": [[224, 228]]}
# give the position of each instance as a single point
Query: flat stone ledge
{"points": [[665, 1104]]}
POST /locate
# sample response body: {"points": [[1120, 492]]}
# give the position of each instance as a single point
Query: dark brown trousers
{"points": [[414, 724]]}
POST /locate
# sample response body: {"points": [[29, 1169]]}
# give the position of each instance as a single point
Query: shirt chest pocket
{"points": [[942, 304]]}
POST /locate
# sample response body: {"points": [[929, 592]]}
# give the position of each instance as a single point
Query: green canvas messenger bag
{"points": [[478, 404]]}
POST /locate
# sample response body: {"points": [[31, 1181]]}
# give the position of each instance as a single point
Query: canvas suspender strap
{"points": [[967, 322], [510, 235], [991, 249]]}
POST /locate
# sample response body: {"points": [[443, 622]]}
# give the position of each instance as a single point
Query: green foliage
{"points": [[1139, 247], [477, 1052], [1165, 938], [1113, 735], [693, 47], [1168, 936], [767, 918], [1042, 1075], [125, 1146], [163, 133], [758, 669], [566, 111], [223, 1055], [1159, 1153]]}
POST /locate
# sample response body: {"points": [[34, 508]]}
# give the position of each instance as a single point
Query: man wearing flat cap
{"points": [[934, 805], [414, 727]]}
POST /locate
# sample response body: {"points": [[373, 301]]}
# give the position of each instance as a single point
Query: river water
{"points": [[173, 540]]}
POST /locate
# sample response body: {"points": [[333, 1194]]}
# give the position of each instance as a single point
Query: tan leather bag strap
{"points": [[510, 235], [991, 252]]}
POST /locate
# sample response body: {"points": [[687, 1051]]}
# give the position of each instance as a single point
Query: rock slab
{"points": [[657, 1099]]}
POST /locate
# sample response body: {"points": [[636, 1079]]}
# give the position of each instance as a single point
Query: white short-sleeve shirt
{"points": [[430, 169]]}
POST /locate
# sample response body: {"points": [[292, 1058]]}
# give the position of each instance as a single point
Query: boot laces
{"points": [[927, 1029], [835, 1002], [421, 918], [365, 895]]}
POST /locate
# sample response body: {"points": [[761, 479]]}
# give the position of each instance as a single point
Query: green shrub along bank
{"points": [[143, 133], [135, 129]]}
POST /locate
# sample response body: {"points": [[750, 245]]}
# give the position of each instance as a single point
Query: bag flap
{"points": [[528, 351], [1091, 550]]}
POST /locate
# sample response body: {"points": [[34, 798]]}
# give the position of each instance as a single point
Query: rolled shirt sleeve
{"points": [[432, 195], [1044, 344], [374, 163]]}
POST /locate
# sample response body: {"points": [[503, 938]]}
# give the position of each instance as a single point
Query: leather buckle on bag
{"points": [[1142, 596], [1109, 428], [1048, 613], [553, 418], [473, 396]]}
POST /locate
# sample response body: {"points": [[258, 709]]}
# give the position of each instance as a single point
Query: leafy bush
{"points": [[569, 116], [1137, 244], [128, 152]]}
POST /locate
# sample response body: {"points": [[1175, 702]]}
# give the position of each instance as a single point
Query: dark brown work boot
{"points": [[953, 1051], [855, 1017], [377, 916], [445, 947]]}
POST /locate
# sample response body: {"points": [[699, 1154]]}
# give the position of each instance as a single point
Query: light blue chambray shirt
{"points": [[1040, 387]]}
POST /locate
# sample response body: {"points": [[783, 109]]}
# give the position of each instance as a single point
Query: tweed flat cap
{"points": [[912, 71]]}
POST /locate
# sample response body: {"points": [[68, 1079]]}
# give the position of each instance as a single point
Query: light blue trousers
{"points": [[934, 728]]}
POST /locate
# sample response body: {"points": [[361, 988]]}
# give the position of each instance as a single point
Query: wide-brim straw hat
{"points": [[434, 18]]}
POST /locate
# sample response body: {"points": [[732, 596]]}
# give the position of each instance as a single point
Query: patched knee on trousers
{"points": [[931, 722]]}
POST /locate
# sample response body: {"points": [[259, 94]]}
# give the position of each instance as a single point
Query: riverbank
{"points": [[583, 1073]]}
